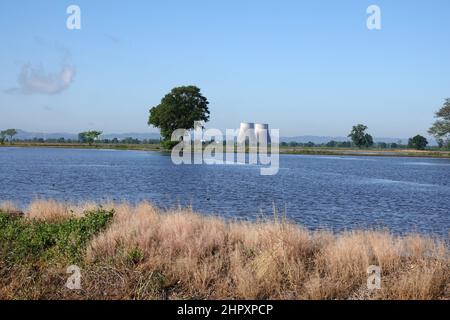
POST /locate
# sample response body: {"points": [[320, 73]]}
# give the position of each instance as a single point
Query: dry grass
{"points": [[8, 206], [51, 210], [146, 253]]}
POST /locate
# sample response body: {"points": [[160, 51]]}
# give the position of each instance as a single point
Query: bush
{"points": [[23, 240]]}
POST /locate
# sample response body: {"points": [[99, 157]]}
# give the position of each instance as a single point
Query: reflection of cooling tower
{"points": [[262, 132], [247, 133]]}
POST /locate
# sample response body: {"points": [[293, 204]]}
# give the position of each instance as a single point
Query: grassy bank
{"points": [[283, 150], [141, 252]]}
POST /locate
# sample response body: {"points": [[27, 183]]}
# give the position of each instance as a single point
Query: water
{"points": [[334, 192]]}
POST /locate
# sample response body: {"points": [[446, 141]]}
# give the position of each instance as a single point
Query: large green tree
{"points": [[418, 142], [89, 136], [179, 109], [441, 128], [360, 137]]}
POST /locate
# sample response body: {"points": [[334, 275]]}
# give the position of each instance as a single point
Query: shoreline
{"points": [[318, 151]]}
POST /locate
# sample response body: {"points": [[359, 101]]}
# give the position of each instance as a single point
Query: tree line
{"points": [[93, 136], [342, 144], [89, 137], [183, 106], [440, 130], [361, 139]]}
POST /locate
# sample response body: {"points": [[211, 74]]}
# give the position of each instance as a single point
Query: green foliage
{"points": [[130, 140], [2, 137], [168, 145], [418, 142], [23, 240], [344, 144], [179, 109], [135, 256], [7, 133], [89, 136], [441, 128], [359, 136]]}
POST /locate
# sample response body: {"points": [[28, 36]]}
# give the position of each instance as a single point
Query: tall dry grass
{"points": [[147, 253]]}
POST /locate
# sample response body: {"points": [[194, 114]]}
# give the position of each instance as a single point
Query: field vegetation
{"points": [[142, 252]]}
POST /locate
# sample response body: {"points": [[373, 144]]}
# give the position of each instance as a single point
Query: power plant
{"points": [[262, 132], [253, 133]]}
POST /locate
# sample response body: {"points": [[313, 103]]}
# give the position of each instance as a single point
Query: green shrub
{"points": [[135, 256], [23, 240]]}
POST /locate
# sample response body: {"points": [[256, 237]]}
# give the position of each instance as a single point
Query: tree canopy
{"points": [[441, 128], [2, 137], [359, 136], [7, 133], [179, 109], [418, 142], [89, 136]]}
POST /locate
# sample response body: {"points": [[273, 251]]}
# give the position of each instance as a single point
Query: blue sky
{"points": [[305, 67]]}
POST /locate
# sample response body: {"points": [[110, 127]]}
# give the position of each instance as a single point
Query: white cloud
{"points": [[35, 80]]}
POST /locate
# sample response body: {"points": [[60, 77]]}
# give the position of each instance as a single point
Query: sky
{"points": [[304, 67]]}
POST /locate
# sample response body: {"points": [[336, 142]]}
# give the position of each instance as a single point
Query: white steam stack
{"points": [[262, 132], [253, 133], [247, 133]]}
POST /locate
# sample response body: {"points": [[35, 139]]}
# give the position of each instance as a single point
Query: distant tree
{"points": [[310, 144], [179, 109], [40, 140], [293, 144], [130, 140], [284, 144], [7, 133], [359, 136], [382, 145], [344, 144], [418, 142], [82, 137], [441, 128], [394, 145], [369, 141], [89, 136], [11, 133], [332, 144], [2, 137], [440, 142]]}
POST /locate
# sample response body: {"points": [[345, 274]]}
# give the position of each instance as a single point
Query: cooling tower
{"points": [[247, 132], [262, 132]]}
